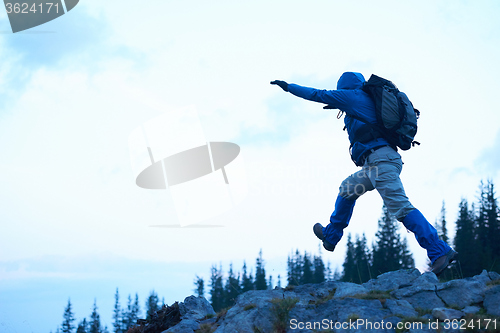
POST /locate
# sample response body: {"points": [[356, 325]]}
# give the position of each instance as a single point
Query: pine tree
{"points": [[199, 286], [407, 260], [482, 229], [270, 283], [82, 326], [349, 272], [362, 260], [117, 319], [336, 276], [232, 288], [307, 270], [492, 215], [278, 284], [130, 316], [126, 315], [319, 269], [260, 273], [328, 272], [95, 320], [390, 253], [69, 318], [246, 280], [136, 310], [152, 305], [294, 270], [465, 241], [442, 230], [217, 289]]}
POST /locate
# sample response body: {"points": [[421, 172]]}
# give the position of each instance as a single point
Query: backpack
{"points": [[396, 116]]}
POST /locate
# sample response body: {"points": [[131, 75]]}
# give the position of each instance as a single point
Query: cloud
{"points": [[76, 41], [489, 158], [66, 38]]}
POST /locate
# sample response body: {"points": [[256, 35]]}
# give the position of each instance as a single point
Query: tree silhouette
{"points": [[362, 260], [152, 305], [217, 289], [349, 265], [390, 253], [82, 326], [246, 280], [260, 273], [69, 318], [307, 270], [231, 289], [294, 265], [117, 315], [95, 320]]}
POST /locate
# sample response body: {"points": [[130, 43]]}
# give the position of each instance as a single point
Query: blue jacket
{"points": [[354, 102]]}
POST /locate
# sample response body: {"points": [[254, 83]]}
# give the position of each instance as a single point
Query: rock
{"points": [[421, 293], [461, 293], [252, 311], [400, 308], [426, 300], [392, 280], [191, 312], [492, 300], [371, 310], [345, 289], [471, 309], [185, 326], [339, 302], [494, 276], [195, 308], [425, 282], [316, 290], [445, 313], [484, 277]]}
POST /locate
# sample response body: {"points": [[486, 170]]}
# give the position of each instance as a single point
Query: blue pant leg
{"points": [[339, 220], [426, 235], [350, 190]]}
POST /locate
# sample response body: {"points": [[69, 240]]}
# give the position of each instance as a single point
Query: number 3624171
{"points": [[24, 8]]}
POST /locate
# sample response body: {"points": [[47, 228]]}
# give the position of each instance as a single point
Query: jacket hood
{"points": [[351, 80]]}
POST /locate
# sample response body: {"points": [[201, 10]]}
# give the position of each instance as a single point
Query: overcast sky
{"points": [[75, 225]]}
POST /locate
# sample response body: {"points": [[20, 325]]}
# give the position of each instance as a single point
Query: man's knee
{"points": [[401, 212], [351, 190]]}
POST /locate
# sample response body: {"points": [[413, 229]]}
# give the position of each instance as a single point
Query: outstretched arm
{"points": [[334, 98]]}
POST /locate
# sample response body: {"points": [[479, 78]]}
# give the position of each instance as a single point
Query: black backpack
{"points": [[396, 116]]}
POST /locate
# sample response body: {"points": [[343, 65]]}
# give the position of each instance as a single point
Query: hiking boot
{"points": [[442, 262], [318, 231]]}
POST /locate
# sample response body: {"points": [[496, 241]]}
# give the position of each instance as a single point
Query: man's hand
{"points": [[283, 85]]}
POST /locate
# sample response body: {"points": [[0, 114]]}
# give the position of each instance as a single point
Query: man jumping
{"points": [[380, 164]]}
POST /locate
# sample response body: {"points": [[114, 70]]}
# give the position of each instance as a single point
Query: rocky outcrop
{"points": [[405, 300]]}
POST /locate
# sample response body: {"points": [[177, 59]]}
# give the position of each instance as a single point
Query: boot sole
{"points": [[450, 258], [318, 231]]}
